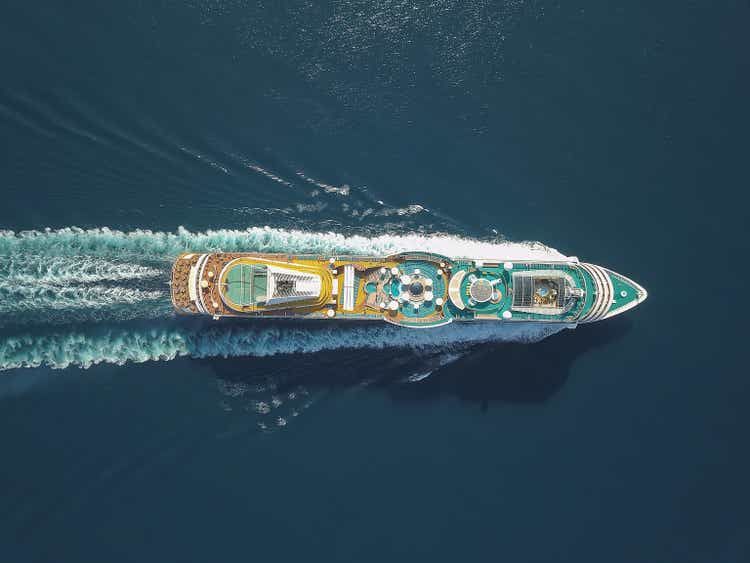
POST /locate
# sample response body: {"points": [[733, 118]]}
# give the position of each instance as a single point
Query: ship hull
{"points": [[414, 290]]}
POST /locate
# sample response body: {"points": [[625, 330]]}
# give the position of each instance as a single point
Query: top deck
{"points": [[417, 290], [245, 284]]}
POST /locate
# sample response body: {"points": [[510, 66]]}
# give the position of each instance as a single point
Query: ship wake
{"points": [[145, 245], [101, 283], [137, 343]]}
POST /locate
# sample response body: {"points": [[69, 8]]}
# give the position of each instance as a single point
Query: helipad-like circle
{"points": [[480, 290], [416, 288]]}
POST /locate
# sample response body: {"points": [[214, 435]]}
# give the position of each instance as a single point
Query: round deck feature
{"points": [[416, 288], [480, 290], [419, 285]]}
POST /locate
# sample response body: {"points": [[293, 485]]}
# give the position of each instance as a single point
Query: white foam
{"points": [[262, 171], [20, 298], [122, 345], [327, 188], [412, 209], [105, 242], [35, 269], [204, 158], [38, 268]]}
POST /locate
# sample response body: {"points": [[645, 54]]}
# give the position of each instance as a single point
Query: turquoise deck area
{"points": [[428, 271], [488, 307], [506, 287], [416, 310], [245, 283], [620, 286], [393, 289], [503, 279]]}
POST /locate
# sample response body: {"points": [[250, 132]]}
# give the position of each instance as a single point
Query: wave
{"points": [[146, 244], [121, 344], [35, 297], [56, 270], [73, 275], [432, 364], [45, 304]]}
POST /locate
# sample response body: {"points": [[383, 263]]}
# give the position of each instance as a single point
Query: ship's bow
{"points": [[626, 294], [612, 293]]}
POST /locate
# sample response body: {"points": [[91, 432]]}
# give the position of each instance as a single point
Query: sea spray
{"points": [[18, 269], [144, 244], [39, 297], [120, 344], [74, 275]]}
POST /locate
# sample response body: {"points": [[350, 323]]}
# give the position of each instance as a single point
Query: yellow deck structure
{"points": [[412, 289]]}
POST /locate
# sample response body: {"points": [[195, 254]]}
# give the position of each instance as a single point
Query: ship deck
{"points": [[370, 288], [417, 290]]}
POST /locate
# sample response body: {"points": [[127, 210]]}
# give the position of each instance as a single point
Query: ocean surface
{"points": [[613, 131]]}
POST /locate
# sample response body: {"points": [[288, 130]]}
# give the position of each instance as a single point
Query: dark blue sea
{"points": [[132, 131]]}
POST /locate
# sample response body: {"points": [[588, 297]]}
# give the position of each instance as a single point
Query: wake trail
{"points": [[40, 297], [119, 345], [147, 245], [19, 268], [73, 275]]}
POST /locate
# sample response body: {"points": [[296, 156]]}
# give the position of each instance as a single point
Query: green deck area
{"points": [[624, 292], [500, 284], [503, 282], [417, 307], [562, 292], [427, 271], [246, 284]]}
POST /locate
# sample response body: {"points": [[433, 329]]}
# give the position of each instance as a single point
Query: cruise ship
{"points": [[411, 289]]}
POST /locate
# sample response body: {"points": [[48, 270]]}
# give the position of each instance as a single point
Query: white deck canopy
{"points": [[454, 289], [286, 285], [348, 301]]}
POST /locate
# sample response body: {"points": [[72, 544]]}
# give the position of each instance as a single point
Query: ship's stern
{"points": [[183, 294]]}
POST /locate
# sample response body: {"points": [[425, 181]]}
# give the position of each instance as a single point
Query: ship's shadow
{"points": [[515, 373], [480, 374]]}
